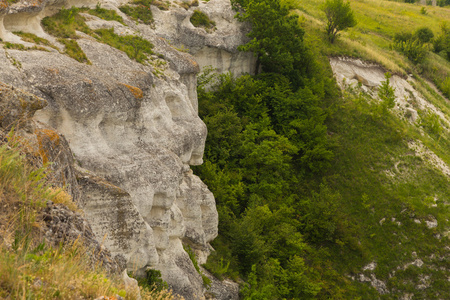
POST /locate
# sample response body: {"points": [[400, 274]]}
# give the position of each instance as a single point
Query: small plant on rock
{"points": [[386, 93], [200, 19]]}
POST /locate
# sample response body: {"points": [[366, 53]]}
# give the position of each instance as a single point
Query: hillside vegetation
{"points": [[320, 193]]}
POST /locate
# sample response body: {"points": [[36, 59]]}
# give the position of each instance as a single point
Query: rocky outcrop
{"points": [[41, 144], [368, 77], [133, 129], [216, 47]]}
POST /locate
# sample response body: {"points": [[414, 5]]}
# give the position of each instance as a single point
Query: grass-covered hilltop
{"points": [[330, 193]]}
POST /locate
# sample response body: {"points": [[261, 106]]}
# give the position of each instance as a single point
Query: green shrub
{"points": [[402, 36], [152, 280], [413, 49], [442, 43], [424, 34], [431, 122], [386, 93], [200, 19], [65, 23], [216, 265], [445, 87], [187, 5]]}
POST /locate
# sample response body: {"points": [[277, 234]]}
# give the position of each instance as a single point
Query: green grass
{"points": [[134, 46], [139, 11], [372, 37], [379, 178], [64, 24], [32, 38], [105, 14], [21, 47], [74, 50]]}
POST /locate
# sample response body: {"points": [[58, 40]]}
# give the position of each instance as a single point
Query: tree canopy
{"points": [[339, 17], [276, 38]]}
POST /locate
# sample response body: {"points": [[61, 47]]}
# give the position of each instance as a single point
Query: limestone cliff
{"points": [[133, 128]]}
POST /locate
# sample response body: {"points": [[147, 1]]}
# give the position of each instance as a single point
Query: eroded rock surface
{"points": [[216, 47], [369, 76]]}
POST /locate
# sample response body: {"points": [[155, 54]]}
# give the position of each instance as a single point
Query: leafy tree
{"points": [[276, 38], [339, 15]]}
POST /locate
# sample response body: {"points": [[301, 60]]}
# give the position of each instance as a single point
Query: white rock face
{"points": [[351, 72], [134, 134], [216, 48]]}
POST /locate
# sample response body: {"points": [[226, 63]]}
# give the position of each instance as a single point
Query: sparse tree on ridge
{"points": [[339, 15]]}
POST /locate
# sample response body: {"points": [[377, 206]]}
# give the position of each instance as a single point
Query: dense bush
{"points": [[413, 49], [424, 34], [266, 134], [442, 42], [276, 39]]}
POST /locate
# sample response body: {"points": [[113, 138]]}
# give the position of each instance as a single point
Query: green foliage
{"points": [[263, 136], [134, 46], [200, 19], [22, 47], [14, 46], [276, 39], [65, 23], [140, 10], [445, 87], [321, 218], [339, 17], [423, 10], [431, 122], [424, 34], [105, 14], [187, 5], [32, 38], [217, 266], [190, 252], [74, 50], [413, 49], [152, 280], [386, 93], [442, 42], [443, 3]]}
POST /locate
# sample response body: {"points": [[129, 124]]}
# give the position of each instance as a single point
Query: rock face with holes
{"points": [[133, 129], [215, 46]]}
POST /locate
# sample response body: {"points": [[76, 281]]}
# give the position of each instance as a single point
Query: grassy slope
{"points": [[369, 146]]}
